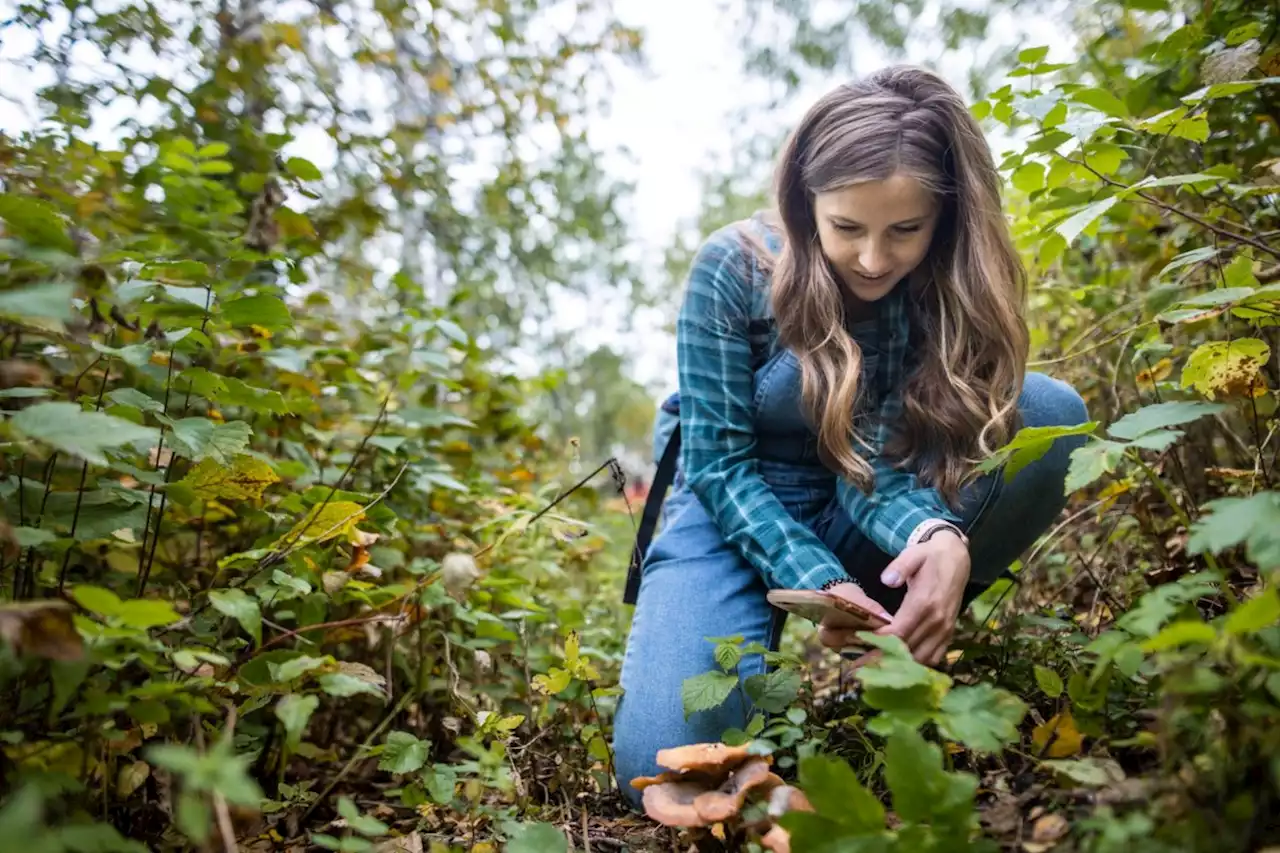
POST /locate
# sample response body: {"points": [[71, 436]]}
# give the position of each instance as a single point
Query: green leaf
{"points": [[404, 753], [441, 782], [34, 221], [727, 656], [1030, 444], [237, 604], [1032, 55], [1179, 634], [706, 691], [834, 790], [1161, 416], [212, 150], [1177, 123], [201, 438], [922, 791], [262, 310], [38, 301], [982, 717], [215, 167], [361, 823], [1073, 226], [1252, 616], [147, 613], [341, 684], [1093, 772], [294, 668], [535, 838], [1159, 440], [294, 712], [303, 169], [136, 399], [773, 691], [70, 429], [1050, 682], [1102, 100], [1239, 274], [97, 600], [554, 681], [1226, 90], [1090, 462], [1029, 177], [1194, 256], [1225, 367]]}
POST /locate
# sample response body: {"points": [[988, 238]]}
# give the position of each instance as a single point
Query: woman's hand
{"points": [[839, 638], [935, 573]]}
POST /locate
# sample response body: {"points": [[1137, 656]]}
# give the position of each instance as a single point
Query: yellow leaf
{"points": [[1148, 378], [1111, 493], [324, 522], [246, 479], [1229, 368], [1067, 740]]}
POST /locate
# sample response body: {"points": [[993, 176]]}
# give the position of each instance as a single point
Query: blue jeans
{"points": [[695, 586]]}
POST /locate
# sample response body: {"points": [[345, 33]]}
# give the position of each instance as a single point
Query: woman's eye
{"points": [[908, 229]]}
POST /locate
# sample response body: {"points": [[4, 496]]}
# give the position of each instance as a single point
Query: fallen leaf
{"points": [[1046, 832], [131, 777], [411, 843], [1067, 740]]}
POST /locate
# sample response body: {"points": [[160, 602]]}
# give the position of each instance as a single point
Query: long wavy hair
{"points": [[969, 336]]}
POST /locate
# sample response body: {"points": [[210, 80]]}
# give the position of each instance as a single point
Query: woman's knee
{"points": [[1048, 401]]}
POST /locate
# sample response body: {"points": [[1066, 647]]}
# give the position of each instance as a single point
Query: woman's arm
{"points": [[716, 421]]}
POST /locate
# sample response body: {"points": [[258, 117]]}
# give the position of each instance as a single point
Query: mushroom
{"points": [[727, 800], [671, 803], [786, 798], [777, 840], [704, 757]]}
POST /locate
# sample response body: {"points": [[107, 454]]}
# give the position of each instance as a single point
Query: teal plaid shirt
{"points": [[726, 298]]}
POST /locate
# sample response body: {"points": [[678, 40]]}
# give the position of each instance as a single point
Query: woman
{"points": [[841, 370]]}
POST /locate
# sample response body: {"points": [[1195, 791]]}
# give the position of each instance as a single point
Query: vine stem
{"points": [[84, 472]]}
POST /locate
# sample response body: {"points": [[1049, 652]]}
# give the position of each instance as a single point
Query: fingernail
{"points": [[891, 578]]}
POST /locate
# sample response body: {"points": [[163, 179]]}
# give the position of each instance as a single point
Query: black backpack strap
{"points": [[662, 481]]}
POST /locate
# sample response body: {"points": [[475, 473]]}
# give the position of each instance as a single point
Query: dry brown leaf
{"points": [[411, 843], [1046, 832]]}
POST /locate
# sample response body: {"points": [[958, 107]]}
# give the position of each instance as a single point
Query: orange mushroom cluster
{"points": [[710, 783]]}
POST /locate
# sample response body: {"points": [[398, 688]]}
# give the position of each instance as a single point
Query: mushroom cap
{"points": [[642, 782], [704, 757], [787, 798], [726, 801], [777, 840], [671, 803]]}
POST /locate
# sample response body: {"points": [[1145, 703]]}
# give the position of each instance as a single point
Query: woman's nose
{"points": [[874, 261]]}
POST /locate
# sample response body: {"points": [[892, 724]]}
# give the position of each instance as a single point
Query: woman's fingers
{"points": [[903, 567]]}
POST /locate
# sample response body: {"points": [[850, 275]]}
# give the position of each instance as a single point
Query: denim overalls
{"points": [[694, 586]]}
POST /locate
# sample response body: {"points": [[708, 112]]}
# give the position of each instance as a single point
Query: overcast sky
{"points": [[674, 119]]}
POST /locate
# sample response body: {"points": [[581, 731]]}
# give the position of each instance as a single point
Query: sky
{"points": [[673, 119]]}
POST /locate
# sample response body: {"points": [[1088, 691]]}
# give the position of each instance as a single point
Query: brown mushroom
{"points": [[671, 803], [786, 798], [726, 801], [705, 757], [642, 782]]}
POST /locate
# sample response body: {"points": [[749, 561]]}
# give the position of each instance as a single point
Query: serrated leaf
{"points": [[440, 783], [773, 691], [244, 479], [237, 604], [34, 221], [1159, 440], [262, 310], [404, 753], [294, 712], [727, 656], [1073, 226], [1161, 416], [535, 838], [341, 684], [72, 430], [835, 792], [922, 791], [1049, 681], [38, 302], [324, 522], [1091, 462], [1261, 611], [1227, 368], [1030, 444], [982, 717], [201, 438], [553, 682], [706, 691]]}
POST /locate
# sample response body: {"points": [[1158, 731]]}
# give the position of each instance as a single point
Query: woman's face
{"points": [[875, 233]]}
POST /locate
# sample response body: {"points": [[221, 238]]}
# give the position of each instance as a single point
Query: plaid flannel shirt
{"points": [[726, 317]]}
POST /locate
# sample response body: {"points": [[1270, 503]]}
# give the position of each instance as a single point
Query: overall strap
{"points": [[652, 509]]}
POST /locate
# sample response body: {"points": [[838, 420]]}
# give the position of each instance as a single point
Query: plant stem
{"points": [[1178, 511]]}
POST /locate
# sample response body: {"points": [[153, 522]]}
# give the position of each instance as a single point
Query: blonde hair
{"points": [[970, 338]]}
